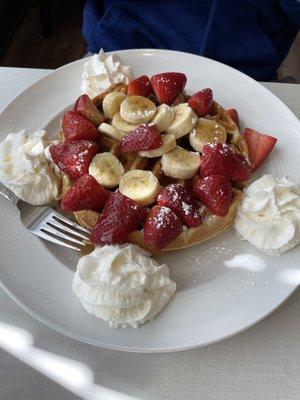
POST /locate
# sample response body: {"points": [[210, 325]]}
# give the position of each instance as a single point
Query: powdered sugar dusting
{"points": [[80, 158], [187, 209], [220, 192], [162, 217], [214, 254]]}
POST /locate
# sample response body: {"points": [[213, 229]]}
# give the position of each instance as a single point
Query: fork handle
{"points": [[8, 194]]}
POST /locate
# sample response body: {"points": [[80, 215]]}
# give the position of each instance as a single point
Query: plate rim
{"points": [[57, 328], [140, 350], [186, 54]]}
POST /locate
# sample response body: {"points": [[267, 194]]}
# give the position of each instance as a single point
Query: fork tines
{"points": [[60, 230]]}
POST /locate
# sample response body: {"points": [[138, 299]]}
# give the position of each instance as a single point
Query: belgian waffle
{"points": [[212, 224]]}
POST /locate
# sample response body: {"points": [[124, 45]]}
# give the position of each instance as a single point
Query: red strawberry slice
{"points": [[85, 107], [215, 192], [76, 127], [85, 194], [119, 217], [259, 145], [179, 199], [139, 87], [233, 114], [161, 227], [220, 159], [168, 86], [74, 158], [145, 137], [201, 102]]}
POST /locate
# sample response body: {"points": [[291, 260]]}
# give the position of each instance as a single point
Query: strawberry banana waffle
{"points": [[144, 163]]}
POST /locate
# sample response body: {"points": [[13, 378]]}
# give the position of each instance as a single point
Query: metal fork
{"points": [[48, 224]]}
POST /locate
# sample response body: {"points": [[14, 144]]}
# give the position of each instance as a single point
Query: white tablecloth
{"points": [[261, 363]]}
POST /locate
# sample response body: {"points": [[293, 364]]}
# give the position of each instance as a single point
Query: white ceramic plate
{"points": [[213, 300]]}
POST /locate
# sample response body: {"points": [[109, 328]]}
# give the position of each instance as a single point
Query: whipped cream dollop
{"points": [[122, 285], [102, 71], [25, 170], [269, 215]]}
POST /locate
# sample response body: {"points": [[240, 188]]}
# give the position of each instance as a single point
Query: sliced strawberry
{"points": [[85, 194], [145, 137], [85, 107], [119, 217], [74, 158], [215, 192], [168, 86], [76, 127], [220, 159], [259, 145], [201, 102], [179, 199], [139, 87], [233, 114], [161, 227]]}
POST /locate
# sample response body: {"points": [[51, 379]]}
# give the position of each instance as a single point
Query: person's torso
{"points": [[244, 34]]}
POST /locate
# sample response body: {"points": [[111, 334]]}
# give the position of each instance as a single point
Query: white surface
{"points": [[262, 362], [213, 301]]}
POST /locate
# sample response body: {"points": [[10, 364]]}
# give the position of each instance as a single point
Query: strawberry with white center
{"points": [[144, 138], [179, 199], [167, 86], [74, 158], [215, 192], [259, 145], [201, 102], [161, 227], [119, 217], [220, 159]]}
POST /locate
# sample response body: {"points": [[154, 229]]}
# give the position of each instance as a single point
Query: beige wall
{"points": [[291, 64]]}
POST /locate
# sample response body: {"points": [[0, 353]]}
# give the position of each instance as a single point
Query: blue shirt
{"points": [[253, 36]]}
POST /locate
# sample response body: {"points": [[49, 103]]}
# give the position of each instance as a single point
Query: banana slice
{"points": [[110, 131], [184, 121], [206, 131], [106, 169], [111, 103], [140, 186], [180, 163], [137, 109], [169, 143], [163, 117], [120, 123]]}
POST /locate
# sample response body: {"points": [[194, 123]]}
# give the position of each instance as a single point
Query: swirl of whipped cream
{"points": [[122, 285], [102, 71], [25, 170], [269, 215]]}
